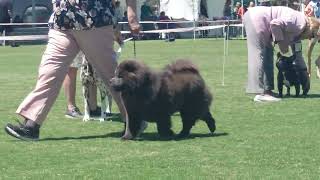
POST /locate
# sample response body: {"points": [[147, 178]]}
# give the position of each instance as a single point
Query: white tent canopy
{"points": [[190, 9], [181, 9], [184, 9]]}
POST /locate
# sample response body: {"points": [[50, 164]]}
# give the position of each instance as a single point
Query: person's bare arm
{"points": [[132, 16]]}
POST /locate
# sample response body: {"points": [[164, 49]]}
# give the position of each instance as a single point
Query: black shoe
{"points": [[22, 132]]}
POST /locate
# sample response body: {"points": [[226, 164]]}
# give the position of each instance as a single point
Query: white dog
{"points": [[89, 78]]}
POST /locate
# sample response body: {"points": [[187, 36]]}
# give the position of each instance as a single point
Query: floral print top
{"points": [[82, 14]]}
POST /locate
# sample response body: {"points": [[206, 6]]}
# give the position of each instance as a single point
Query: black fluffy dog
{"points": [[290, 75], [155, 96]]}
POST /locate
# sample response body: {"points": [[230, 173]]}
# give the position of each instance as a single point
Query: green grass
{"points": [[253, 140]]}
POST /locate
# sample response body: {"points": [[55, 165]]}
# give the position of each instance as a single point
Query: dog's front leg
{"points": [[280, 79], [106, 103], [103, 104], [164, 127], [86, 116], [109, 104], [305, 82]]}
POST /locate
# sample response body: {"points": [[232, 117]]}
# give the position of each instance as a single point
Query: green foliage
{"points": [[253, 140]]}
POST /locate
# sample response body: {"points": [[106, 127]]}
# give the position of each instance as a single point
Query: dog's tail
{"points": [[183, 65]]}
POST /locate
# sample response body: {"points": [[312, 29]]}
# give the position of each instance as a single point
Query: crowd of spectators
{"points": [[149, 13], [237, 12]]}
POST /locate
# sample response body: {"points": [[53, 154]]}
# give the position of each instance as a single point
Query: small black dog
{"points": [[290, 75]]}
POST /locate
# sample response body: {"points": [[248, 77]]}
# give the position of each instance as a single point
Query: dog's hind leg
{"points": [[211, 123], [288, 90], [188, 120], [297, 87]]}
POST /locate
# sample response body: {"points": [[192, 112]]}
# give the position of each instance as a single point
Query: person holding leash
{"points": [[313, 10], [77, 25], [279, 25]]}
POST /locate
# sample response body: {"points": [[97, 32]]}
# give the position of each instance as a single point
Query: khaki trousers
{"points": [[62, 47]]}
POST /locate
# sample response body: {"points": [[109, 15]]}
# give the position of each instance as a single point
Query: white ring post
{"points": [[194, 21], [225, 50], [134, 48], [4, 34], [224, 54]]}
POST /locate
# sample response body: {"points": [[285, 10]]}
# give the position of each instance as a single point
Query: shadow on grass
{"points": [[311, 96], [76, 138], [144, 137], [155, 137]]}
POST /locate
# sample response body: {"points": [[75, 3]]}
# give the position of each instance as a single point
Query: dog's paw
{"points": [[102, 119], [127, 137], [86, 118]]}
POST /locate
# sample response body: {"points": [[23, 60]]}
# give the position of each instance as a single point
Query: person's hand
{"points": [[133, 23]]}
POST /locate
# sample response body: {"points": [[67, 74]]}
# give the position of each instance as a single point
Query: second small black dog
{"points": [[290, 75]]}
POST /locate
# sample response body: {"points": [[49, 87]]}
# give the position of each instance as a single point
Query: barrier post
{"points": [[134, 47], [194, 29], [4, 34], [225, 49]]}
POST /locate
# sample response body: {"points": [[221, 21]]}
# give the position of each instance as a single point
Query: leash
{"points": [[134, 47], [118, 52]]}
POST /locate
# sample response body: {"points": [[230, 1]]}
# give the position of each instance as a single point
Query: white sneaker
{"points": [[265, 98], [257, 98], [318, 72]]}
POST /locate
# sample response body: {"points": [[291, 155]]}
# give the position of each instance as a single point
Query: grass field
{"points": [[253, 140]]}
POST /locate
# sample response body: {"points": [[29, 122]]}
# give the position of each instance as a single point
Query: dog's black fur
{"points": [[155, 96], [292, 75]]}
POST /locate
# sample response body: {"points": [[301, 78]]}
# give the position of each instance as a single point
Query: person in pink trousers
{"points": [[85, 25], [266, 26]]}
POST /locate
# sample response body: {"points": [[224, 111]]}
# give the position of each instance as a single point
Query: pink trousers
{"points": [[62, 47]]}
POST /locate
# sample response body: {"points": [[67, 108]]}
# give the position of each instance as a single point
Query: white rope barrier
{"points": [[22, 24], [236, 25], [176, 30], [179, 29], [141, 22], [24, 38]]}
